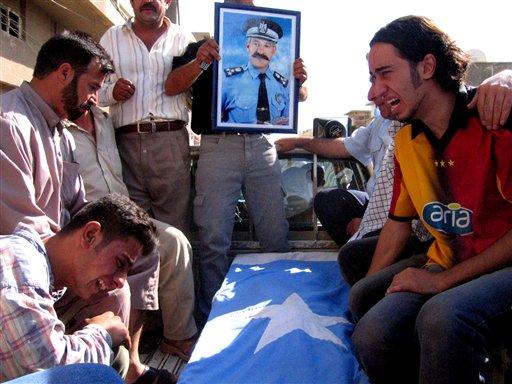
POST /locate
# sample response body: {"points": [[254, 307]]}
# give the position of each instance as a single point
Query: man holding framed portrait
{"points": [[255, 93], [254, 88], [230, 163]]}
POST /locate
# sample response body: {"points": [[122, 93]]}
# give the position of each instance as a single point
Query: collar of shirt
{"points": [[99, 115], [129, 23], [255, 72], [394, 127], [458, 120], [48, 113], [458, 117]]}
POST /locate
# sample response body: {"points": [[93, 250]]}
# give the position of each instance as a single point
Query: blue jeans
{"points": [[443, 338], [72, 374], [231, 164]]}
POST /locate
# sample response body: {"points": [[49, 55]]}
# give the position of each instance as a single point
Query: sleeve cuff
{"points": [[103, 332], [401, 218], [106, 96]]}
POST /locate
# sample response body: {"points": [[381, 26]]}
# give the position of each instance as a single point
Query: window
{"points": [[10, 22]]}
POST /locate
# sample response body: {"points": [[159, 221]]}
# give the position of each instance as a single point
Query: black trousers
{"points": [[335, 208], [356, 256]]}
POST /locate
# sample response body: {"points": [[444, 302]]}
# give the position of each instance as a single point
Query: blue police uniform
{"points": [[240, 95]]}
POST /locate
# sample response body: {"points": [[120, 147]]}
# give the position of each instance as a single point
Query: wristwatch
{"points": [[204, 65]]}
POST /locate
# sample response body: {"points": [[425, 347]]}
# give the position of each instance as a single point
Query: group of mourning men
{"points": [[65, 262], [59, 150]]}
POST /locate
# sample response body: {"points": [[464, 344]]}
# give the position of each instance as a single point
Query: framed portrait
{"points": [[254, 88]]}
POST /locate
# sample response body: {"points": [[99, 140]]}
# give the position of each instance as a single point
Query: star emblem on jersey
{"points": [[443, 164]]}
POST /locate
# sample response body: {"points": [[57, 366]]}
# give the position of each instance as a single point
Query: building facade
{"points": [[27, 24]]}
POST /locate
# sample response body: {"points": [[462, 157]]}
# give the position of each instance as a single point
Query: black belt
{"points": [[151, 127]]}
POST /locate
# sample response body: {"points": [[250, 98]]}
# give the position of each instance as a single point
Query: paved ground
{"points": [[149, 349]]}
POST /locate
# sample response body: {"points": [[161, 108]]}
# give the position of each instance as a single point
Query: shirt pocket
{"points": [[245, 109], [278, 102]]}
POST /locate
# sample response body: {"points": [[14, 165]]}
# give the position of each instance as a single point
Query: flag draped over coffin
{"points": [[278, 318]]}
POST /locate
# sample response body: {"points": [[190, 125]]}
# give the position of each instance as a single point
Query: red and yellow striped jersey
{"points": [[460, 186]]}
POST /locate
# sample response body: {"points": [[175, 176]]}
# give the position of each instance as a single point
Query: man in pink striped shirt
{"points": [[90, 256]]}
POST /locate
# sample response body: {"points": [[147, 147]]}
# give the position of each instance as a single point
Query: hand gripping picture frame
{"points": [[254, 89]]}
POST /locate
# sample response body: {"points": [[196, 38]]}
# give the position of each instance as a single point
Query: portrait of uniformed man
{"points": [[256, 93]]}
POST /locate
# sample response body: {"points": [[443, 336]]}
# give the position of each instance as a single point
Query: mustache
{"points": [[148, 6], [86, 105], [77, 112], [260, 56]]}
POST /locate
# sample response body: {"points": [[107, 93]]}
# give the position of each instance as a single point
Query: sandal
{"points": [[180, 348]]}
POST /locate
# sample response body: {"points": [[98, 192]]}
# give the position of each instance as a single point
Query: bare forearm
{"points": [[493, 258], [303, 93], [334, 148], [392, 240], [181, 79]]}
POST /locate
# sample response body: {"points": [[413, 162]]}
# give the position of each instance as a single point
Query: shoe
{"points": [[181, 348], [156, 376]]}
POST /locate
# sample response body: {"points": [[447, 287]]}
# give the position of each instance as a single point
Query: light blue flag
{"points": [[278, 318]]}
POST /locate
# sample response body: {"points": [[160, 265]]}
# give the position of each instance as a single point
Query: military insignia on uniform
{"points": [[281, 79], [279, 98], [262, 28], [234, 71]]}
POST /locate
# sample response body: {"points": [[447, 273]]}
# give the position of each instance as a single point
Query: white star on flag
{"points": [[225, 292], [294, 314], [298, 270]]}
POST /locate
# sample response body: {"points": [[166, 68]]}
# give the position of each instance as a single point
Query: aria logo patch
{"points": [[451, 219]]}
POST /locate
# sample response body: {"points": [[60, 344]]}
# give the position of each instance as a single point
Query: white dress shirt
{"points": [[147, 70]]}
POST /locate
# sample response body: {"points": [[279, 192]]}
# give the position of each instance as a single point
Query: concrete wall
{"points": [[41, 19], [18, 56]]}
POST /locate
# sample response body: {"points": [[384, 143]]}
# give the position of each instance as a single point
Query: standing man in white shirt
{"points": [[150, 125]]}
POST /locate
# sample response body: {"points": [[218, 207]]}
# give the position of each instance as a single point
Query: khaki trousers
{"points": [[156, 170], [176, 283]]}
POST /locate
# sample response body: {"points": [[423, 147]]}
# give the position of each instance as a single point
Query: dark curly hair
{"points": [[416, 36], [76, 48], [119, 218]]}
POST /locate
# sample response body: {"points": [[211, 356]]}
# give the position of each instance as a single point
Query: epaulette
{"points": [[281, 79], [234, 71]]}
